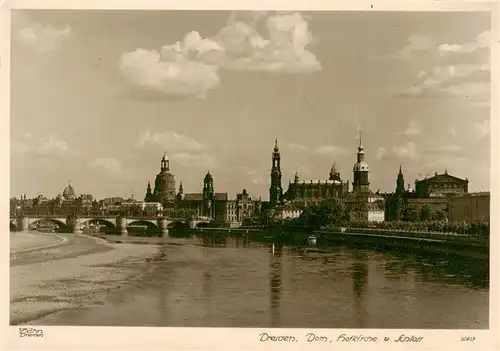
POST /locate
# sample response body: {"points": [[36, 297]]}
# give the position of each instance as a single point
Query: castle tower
{"points": [[360, 171], [400, 182], [275, 190]]}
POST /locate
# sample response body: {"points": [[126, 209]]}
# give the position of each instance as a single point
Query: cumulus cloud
{"points": [[444, 150], [452, 80], [459, 70], [110, 166], [453, 132], [29, 145], [146, 71], [482, 40], [254, 175], [381, 152], [170, 140], [482, 129], [42, 38], [413, 129], [297, 146], [182, 149], [199, 160], [191, 66], [417, 43], [407, 150], [330, 149]]}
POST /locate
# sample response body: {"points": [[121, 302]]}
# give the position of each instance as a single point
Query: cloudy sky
{"points": [[97, 96]]}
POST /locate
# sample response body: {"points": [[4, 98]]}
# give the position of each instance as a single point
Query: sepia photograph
{"points": [[250, 169]]}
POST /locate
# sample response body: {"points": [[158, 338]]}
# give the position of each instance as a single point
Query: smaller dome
{"points": [[361, 167], [69, 192]]}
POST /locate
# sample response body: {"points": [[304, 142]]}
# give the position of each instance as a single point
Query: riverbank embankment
{"points": [[443, 243]]}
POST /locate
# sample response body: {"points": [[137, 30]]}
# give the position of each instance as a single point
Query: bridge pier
{"points": [[22, 224], [121, 224], [162, 225], [77, 227]]}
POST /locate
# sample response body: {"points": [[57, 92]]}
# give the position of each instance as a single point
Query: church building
{"points": [[164, 189]]}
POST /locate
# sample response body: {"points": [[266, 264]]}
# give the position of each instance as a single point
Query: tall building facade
{"points": [[164, 189], [275, 190]]}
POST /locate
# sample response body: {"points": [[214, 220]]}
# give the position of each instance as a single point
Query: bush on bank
{"points": [[441, 226]]}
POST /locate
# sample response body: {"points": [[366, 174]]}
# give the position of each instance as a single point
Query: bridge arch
{"points": [[106, 222], [202, 224], [60, 224], [148, 223], [177, 225]]}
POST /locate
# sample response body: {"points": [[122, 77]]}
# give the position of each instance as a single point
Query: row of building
{"points": [[438, 197]]}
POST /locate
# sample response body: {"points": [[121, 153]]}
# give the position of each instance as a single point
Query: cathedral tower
{"points": [[275, 190], [400, 182], [360, 171]]}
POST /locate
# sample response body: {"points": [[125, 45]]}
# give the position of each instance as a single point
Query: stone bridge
{"points": [[75, 224]]}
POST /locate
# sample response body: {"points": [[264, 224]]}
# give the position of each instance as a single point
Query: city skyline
{"points": [[103, 108]]}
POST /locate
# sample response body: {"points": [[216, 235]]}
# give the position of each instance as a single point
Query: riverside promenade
{"points": [[433, 242]]}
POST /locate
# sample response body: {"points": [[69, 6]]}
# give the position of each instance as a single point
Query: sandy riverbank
{"points": [[37, 290], [25, 241]]}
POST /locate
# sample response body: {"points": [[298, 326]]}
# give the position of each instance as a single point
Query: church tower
{"points": [[360, 171], [180, 194], [149, 193], [275, 190], [208, 196], [400, 182]]}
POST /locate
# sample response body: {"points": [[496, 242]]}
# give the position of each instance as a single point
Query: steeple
{"points": [[181, 189], [275, 190], [296, 178], [360, 170]]}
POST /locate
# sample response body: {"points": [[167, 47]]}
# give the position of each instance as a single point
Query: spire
{"points": [[400, 171], [181, 188], [360, 147], [276, 149], [296, 178]]}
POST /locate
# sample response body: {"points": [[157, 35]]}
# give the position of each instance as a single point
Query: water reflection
{"points": [[231, 281], [359, 277], [275, 277]]}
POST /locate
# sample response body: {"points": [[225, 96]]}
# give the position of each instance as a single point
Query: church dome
{"points": [[361, 166], [69, 192]]}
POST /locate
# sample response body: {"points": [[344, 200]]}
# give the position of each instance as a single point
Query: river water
{"points": [[233, 282]]}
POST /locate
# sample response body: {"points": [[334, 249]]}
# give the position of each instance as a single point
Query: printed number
{"points": [[468, 338]]}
